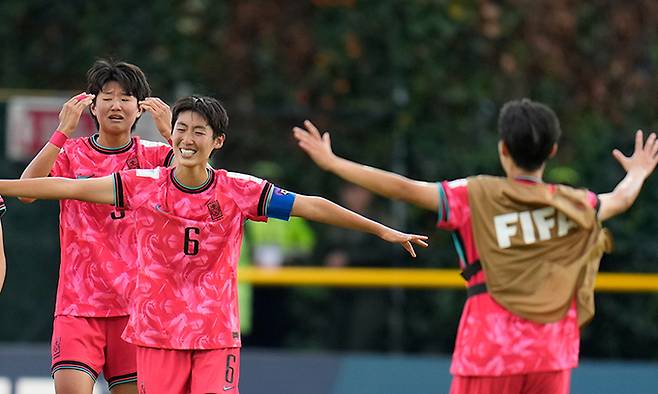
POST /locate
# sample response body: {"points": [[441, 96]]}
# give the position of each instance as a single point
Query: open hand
{"points": [[317, 146], [406, 240], [644, 159]]}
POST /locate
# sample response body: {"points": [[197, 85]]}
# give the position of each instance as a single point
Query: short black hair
{"points": [[129, 76], [529, 129], [210, 108]]}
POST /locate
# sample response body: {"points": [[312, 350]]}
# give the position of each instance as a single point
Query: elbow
{"points": [[26, 200]]}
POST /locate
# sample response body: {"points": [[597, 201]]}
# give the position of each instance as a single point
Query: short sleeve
{"points": [[453, 210], [252, 195], [156, 154], [3, 207], [594, 201], [133, 188]]}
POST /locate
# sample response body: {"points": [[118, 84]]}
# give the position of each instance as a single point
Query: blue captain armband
{"points": [[279, 203]]}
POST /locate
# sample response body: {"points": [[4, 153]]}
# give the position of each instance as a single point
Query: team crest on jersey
{"points": [[215, 210], [132, 163]]}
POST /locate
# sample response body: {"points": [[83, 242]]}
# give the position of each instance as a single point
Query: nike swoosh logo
{"points": [[79, 176], [227, 388]]}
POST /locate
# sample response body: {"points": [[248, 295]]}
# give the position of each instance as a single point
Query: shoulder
{"points": [[150, 144], [238, 178], [145, 174]]}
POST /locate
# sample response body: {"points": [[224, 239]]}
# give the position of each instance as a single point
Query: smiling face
{"points": [[115, 110], [193, 140]]}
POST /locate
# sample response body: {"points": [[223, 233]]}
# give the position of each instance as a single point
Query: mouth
{"points": [[115, 118], [187, 153]]}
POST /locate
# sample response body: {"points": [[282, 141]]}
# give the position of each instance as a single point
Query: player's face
{"points": [[193, 139], [115, 110]]}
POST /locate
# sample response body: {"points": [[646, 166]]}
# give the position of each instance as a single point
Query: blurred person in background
{"points": [[98, 257], [189, 225], [528, 250], [359, 316], [264, 311]]}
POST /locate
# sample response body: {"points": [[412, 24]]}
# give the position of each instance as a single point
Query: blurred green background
{"points": [[411, 86]]}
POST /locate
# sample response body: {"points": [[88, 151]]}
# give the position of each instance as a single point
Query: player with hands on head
{"points": [[189, 225], [515, 336], [98, 259]]}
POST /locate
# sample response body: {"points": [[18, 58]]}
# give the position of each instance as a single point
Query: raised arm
{"points": [[98, 190], [388, 184], [321, 210], [638, 167], [69, 117]]}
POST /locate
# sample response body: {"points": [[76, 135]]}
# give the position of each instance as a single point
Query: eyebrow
{"points": [[195, 127], [123, 92]]}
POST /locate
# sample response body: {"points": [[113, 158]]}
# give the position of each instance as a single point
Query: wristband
{"points": [[58, 139]]}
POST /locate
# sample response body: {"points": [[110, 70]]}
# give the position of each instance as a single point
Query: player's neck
{"points": [[515, 172], [108, 140], [191, 177]]}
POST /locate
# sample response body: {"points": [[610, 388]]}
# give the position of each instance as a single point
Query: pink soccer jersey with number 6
{"points": [[98, 257], [188, 244]]}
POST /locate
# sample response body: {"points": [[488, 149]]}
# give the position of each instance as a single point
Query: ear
{"points": [[553, 151], [92, 108], [219, 141], [502, 149]]}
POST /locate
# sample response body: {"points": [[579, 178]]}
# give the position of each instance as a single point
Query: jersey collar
{"points": [[199, 189], [93, 141]]}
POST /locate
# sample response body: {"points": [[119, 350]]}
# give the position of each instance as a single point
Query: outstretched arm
{"points": [[69, 117], [318, 147], [638, 167], [97, 190], [3, 261], [321, 210]]}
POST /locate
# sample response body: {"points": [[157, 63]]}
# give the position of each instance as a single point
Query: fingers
{"points": [[407, 246], [418, 239], [648, 146], [620, 157], [639, 139], [312, 129], [154, 105]]}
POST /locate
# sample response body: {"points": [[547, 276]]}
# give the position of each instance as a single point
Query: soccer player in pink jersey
{"points": [[3, 261], [497, 350], [98, 258], [189, 225]]}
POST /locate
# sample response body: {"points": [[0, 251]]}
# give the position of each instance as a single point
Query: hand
{"points": [[406, 240], [316, 146], [69, 116], [644, 158], [161, 115]]}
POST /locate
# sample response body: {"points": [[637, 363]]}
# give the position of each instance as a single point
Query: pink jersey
{"points": [[491, 341], [188, 243], [98, 257]]}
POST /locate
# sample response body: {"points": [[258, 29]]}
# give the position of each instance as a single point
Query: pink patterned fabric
{"points": [[188, 243], [491, 341], [98, 257]]}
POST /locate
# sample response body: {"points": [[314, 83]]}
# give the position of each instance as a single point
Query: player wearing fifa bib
{"points": [[188, 222], [529, 251]]}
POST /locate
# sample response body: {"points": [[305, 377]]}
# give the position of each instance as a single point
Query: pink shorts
{"points": [[188, 371], [92, 344], [554, 382]]}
